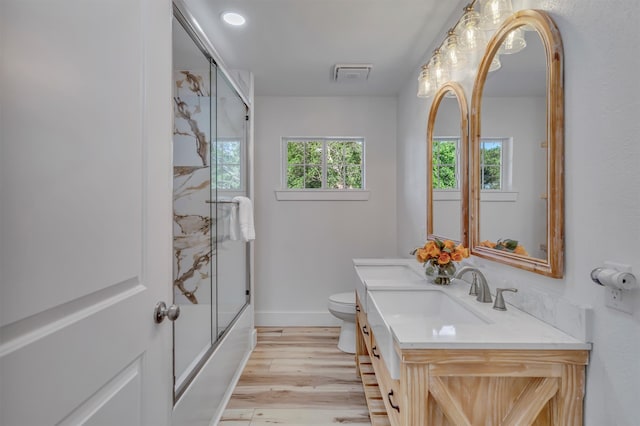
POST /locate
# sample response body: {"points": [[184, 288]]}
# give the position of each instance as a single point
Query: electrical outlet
{"points": [[614, 298], [617, 299]]}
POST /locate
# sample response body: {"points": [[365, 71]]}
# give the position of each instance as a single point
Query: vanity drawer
{"points": [[389, 388]]}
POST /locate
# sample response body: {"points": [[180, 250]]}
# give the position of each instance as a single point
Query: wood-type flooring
{"points": [[297, 376]]}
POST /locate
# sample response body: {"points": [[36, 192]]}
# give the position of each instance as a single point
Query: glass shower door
{"points": [[194, 78], [231, 181]]}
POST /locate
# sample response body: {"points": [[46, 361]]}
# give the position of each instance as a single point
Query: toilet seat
{"points": [[343, 302], [347, 298]]}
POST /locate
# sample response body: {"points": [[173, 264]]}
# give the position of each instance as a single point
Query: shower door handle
{"points": [[161, 311]]}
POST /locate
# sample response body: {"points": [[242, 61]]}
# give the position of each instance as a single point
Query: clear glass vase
{"points": [[443, 274]]}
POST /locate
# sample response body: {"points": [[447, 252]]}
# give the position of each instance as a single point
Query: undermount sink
{"points": [[432, 305], [387, 272], [432, 310], [393, 274]]}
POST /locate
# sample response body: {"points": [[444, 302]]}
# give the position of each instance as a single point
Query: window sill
{"points": [[498, 196], [322, 195], [446, 195], [485, 196]]}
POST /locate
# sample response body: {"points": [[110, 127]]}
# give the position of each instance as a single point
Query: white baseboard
{"points": [[295, 319]]}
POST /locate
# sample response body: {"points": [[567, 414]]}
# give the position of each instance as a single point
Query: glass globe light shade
{"points": [[453, 56], [470, 37], [513, 43], [494, 12], [439, 70], [426, 87]]}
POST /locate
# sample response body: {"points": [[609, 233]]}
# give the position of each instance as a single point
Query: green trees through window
{"points": [[229, 165], [491, 164], [444, 164], [322, 163]]}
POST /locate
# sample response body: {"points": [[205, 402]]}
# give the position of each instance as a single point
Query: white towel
{"points": [[241, 220]]}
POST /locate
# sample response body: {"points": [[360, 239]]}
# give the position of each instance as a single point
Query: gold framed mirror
{"points": [[447, 166], [517, 147]]}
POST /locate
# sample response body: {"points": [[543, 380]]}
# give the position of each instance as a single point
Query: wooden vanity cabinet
{"points": [[370, 367], [457, 387]]}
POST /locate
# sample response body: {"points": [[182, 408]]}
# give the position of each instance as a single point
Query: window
{"points": [[335, 164], [491, 163], [229, 165], [444, 165]]}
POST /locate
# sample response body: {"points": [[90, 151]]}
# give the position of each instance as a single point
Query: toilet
{"points": [[343, 306]]}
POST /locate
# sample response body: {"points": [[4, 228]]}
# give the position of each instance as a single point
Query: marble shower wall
{"points": [[192, 215]]}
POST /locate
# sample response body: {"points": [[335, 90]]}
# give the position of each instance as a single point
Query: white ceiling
{"points": [[291, 46]]}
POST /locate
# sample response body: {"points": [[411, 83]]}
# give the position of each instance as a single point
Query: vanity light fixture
{"points": [[465, 43], [233, 18]]}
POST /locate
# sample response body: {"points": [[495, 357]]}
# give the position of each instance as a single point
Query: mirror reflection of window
{"points": [[494, 163], [491, 164], [444, 167]]}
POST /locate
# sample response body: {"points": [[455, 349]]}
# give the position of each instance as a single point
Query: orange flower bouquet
{"points": [[439, 256]]}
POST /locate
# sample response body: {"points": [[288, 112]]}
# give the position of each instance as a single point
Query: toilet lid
{"points": [[348, 298]]}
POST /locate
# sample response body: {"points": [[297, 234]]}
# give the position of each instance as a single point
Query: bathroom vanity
{"points": [[433, 355]]}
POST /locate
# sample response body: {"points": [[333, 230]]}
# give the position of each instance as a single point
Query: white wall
{"points": [[602, 187], [304, 248]]}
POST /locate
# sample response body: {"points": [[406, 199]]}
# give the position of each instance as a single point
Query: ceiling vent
{"points": [[351, 73]]}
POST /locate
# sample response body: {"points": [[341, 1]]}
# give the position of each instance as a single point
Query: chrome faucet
{"points": [[484, 293], [500, 305]]}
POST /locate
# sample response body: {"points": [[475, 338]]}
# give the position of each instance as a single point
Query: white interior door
{"points": [[85, 212]]}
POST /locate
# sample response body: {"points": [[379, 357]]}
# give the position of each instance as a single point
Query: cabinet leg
{"points": [[415, 395], [569, 399]]}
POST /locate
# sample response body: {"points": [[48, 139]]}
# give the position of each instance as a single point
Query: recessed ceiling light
{"points": [[233, 18]]}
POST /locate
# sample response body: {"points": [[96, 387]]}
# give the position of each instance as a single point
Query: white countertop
{"points": [[511, 329]]}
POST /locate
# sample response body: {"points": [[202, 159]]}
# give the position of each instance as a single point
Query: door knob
{"points": [[161, 311]]}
